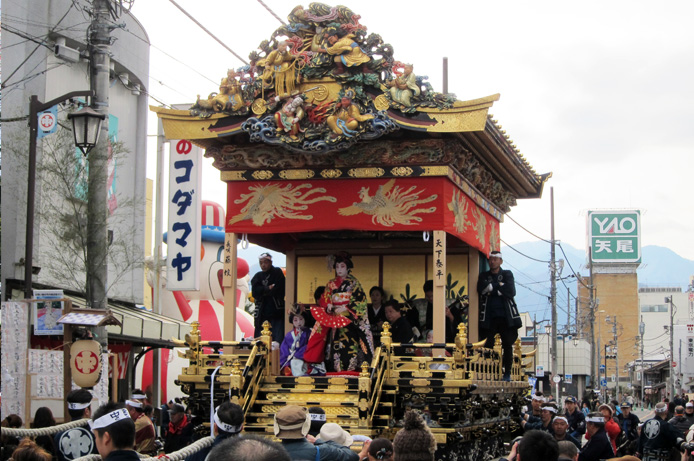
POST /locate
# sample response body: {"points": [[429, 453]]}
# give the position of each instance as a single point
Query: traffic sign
{"points": [[603, 382], [556, 379], [602, 368], [674, 364]]}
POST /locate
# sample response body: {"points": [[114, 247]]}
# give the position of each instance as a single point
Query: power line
{"points": [[523, 254], [566, 258], [28, 37], [526, 230], [272, 12], [208, 32]]}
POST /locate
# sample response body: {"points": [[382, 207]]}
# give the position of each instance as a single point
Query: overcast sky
{"points": [[600, 93]]}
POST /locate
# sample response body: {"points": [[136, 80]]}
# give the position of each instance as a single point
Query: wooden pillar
{"points": [[439, 277], [229, 282], [474, 301], [289, 287]]}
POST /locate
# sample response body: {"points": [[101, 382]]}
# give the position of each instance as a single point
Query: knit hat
{"points": [[414, 442]]}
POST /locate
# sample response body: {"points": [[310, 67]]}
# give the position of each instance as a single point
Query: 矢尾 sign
{"points": [[614, 236]]}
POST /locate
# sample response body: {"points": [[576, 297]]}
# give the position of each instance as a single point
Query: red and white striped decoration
{"points": [[212, 214]]}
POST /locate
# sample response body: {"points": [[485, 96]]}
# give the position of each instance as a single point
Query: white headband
{"points": [[138, 396], [562, 419], [224, 426], [317, 417], [538, 397], [77, 406], [133, 404], [110, 418], [661, 410], [551, 409], [595, 419], [495, 255]]}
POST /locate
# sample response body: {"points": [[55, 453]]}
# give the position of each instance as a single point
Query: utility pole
{"points": [[616, 357], [642, 330], [668, 299], [553, 294], [594, 361], [97, 212]]}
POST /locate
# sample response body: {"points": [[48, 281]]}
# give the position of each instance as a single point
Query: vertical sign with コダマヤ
{"points": [[614, 236], [183, 236]]}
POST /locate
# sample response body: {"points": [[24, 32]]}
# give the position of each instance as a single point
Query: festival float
{"points": [[328, 143]]}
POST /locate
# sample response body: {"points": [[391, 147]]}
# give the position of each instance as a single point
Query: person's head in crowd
{"points": [[135, 408], [79, 404], [570, 404], [414, 442], [28, 450], [537, 445], [13, 421], [594, 422], [537, 401], [265, 261], [139, 394], [249, 448], [113, 429], [392, 310], [380, 449], [429, 336], [291, 422], [228, 419], [43, 418], [177, 413], [626, 408], [606, 411], [567, 450], [428, 289], [377, 295], [547, 412], [689, 408], [318, 418], [560, 425], [149, 411], [332, 432], [661, 410], [679, 410]]}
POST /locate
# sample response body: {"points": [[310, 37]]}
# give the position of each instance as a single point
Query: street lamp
{"points": [[35, 107], [86, 126]]}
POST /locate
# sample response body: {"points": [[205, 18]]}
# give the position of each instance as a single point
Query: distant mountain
{"points": [[529, 262], [660, 267]]}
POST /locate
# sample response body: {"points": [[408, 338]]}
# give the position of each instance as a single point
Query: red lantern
{"points": [[85, 363], [242, 268]]}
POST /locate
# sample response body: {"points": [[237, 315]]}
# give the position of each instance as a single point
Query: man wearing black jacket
{"points": [[629, 422], [575, 417], [267, 287], [498, 311], [599, 446]]}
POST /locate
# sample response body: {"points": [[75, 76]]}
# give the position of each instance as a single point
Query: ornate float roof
{"points": [[322, 93]]}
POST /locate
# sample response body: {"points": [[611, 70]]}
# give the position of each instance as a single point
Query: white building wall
{"points": [[49, 77]]}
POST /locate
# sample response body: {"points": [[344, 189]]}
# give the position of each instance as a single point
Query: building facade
{"points": [[45, 53]]}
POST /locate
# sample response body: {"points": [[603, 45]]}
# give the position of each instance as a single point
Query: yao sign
{"points": [[615, 236]]}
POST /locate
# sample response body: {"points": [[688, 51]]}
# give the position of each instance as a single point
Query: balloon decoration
{"points": [[242, 268]]}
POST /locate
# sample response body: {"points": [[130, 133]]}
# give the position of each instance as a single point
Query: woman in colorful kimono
{"points": [[342, 334], [293, 347]]}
